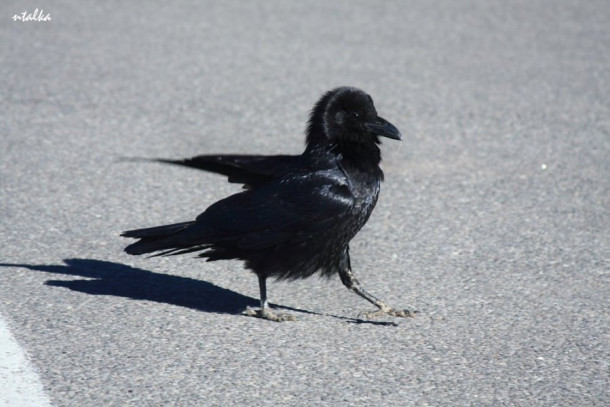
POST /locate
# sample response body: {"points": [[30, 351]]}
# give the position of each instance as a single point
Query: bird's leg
{"points": [[352, 284], [265, 311]]}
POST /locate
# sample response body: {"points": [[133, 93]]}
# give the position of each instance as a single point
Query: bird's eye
{"points": [[356, 115]]}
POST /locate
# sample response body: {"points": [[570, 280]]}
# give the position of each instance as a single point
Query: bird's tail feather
{"points": [[154, 239]]}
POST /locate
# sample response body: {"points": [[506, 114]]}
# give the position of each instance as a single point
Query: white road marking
{"points": [[19, 383]]}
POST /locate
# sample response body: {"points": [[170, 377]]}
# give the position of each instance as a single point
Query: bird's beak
{"points": [[382, 127]]}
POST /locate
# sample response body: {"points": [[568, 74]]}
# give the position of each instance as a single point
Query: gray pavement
{"points": [[493, 221]]}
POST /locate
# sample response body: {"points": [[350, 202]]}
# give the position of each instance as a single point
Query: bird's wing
{"points": [[293, 209], [251, 170]]}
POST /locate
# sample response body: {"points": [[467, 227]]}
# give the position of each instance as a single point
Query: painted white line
{"points": [[19, 384]]}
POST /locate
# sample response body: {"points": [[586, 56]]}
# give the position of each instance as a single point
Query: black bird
{"points": [[298, 212]]}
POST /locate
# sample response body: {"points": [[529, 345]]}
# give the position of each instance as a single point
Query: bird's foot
{"points": [[268, 314], [386, 310]]}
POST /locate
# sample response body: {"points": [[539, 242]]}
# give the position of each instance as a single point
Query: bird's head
{"points": [[347, 114]]}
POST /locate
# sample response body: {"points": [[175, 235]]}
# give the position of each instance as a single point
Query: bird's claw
{"points": [[388, 311], [268, 315]]}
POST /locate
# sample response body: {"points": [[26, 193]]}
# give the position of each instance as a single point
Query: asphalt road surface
{"points": [[493, 221]]}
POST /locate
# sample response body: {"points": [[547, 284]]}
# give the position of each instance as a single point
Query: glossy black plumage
{"points": [[298, 213]]}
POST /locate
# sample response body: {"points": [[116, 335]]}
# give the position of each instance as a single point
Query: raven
{"points": [[298, 213]]}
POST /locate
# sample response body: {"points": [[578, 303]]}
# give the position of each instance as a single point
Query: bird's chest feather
{"points": [[364, 188]]}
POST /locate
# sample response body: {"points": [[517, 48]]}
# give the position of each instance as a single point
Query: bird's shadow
{"points": [[109, 278]]}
